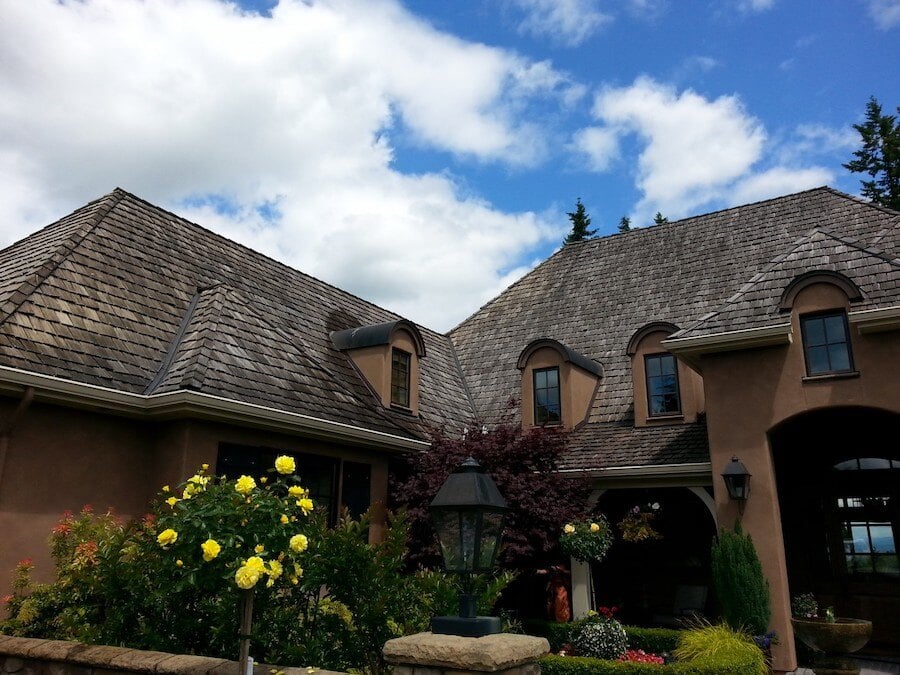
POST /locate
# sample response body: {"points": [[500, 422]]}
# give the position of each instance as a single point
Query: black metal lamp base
{"points": [[476, 626]]}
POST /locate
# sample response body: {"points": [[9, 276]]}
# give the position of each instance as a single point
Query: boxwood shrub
{"points": [[651, 640], [582, 665]]}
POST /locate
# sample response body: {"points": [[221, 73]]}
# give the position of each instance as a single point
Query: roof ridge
{"points": [[102, 206], [859, 246], [194, 376]]}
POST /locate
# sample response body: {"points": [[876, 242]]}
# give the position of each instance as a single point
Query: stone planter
{"points": [[832, 641]]}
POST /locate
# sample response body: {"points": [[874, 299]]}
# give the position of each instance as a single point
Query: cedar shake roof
{"points": [[125, 295], [720, 271]]}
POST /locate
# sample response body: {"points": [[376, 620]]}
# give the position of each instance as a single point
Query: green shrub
{"points": [[721, 644], [557, 633], [582, 665], [601, 637], [740, 585], [652, 640]]}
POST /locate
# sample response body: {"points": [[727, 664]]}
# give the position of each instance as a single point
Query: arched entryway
{"points": [[659, 581], [838, 474]]}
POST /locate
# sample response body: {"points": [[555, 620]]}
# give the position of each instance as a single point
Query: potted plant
{"points": [[831, 638]]}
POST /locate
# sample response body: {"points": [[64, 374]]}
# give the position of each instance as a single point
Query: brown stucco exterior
{"points": [[374, 364], [120, 463], [577, 388], [750, 392], [690, 385]]}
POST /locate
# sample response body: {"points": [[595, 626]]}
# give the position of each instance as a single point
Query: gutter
{"points": [[875, 320], [184, 403], [686, 470]]}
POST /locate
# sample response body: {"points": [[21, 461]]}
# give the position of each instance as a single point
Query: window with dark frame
{"points": [[547, 408], [400, 362], [826, 344], [663, 397]]}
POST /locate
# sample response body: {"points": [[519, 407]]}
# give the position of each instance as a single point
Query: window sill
{"points": [[831, 376], [674, 417], [396, 407]]}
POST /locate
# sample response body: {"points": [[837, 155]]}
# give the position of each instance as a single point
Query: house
{"points": [[135, 345]]}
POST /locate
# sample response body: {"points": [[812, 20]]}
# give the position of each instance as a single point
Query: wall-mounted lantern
{"points": [[737, 480], [468, 514]]}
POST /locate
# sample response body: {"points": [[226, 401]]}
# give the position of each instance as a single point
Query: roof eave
{"points": [[876, 320], [184, 403], [691, 471], [690, 349]]}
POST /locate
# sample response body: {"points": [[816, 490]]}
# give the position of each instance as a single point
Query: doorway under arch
{"points": [[648, 580], [838, 477]]}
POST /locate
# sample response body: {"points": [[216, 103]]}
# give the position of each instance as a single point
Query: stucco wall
{"points": [[60, 459], [750, 392]]}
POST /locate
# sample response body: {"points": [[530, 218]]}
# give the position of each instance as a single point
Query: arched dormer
{"points": [[804, 281], [819, 302], [666, 390], [558, 384], [387, 356]]}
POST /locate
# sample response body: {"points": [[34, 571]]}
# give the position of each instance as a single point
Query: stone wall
{"points": [[30, 656]]}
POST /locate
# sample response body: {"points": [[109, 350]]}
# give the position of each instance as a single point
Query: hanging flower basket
{"points": [[587, 540]]}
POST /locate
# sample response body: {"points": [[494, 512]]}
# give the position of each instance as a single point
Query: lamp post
{"points": [[737, 480], [468, 514]]}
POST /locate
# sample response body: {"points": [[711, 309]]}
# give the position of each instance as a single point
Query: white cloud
{"points": [[776, 182], [566, 22], [755, 5], [885, 13], [174, 99], [693, 146], [599, 145]]}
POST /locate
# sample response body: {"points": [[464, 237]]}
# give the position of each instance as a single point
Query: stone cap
{"points": [[487, 654]]}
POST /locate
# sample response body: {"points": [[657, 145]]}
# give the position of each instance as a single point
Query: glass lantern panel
{"points": [[491, 530], [446, 525]]}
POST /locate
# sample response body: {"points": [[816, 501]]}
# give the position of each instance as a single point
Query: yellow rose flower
{"points": [[299, 543], [210, 549], [172, 501], [263, 480], [298, 571], [205, 467], [165, 488], [167, 537], [246, 578], [595, 527], [285, 464], [284, 519], [244, 485], [296, 491], [306, 505], [275, 569], [569, 529], [179, 563], [259, 548], [256, 563]]}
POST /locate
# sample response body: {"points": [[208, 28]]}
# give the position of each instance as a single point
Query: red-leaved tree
{"points": [[524, 466]]}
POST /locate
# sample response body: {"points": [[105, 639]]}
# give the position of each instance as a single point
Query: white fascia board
{"points": [[692, 469], [875, 320], [191, 403], [748, 338]]}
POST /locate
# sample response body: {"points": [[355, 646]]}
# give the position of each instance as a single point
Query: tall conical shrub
{"points": [[739, 582]]}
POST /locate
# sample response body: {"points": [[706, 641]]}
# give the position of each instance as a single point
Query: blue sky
{"points": [[423, 154]]}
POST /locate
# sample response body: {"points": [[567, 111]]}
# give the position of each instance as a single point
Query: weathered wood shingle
{"points": [[125, 295]]}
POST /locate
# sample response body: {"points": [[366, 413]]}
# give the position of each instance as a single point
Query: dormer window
{"points": [[547, 405], [400, 368], [826, 344], [663, 397], [387, 356], [558, 384]]}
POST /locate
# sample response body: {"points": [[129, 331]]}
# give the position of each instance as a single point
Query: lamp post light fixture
{"points": [[468, 513], [737, 480]]}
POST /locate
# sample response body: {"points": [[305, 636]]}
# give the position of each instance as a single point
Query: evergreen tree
{"points": [[660, 219], [740, 585], [625, 224], [879, 156], [581, 221]]}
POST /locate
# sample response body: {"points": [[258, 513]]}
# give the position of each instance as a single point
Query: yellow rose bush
{"points": [[587, 540]]}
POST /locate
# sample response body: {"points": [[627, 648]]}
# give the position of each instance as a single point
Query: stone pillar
{"points": [[435, 654]]}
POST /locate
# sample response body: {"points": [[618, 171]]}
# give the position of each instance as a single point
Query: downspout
{"points": [[6, 428]]}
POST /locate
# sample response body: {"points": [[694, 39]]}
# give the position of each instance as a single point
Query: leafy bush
{"points": [[740, 585], [724, 644], [600, 636], [804, 606], [583, 665], [587, 540], [653, 640], [174, 581]]}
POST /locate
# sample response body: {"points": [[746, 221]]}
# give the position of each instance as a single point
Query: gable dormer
{"points": [[558, 384], [387, 356]]}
